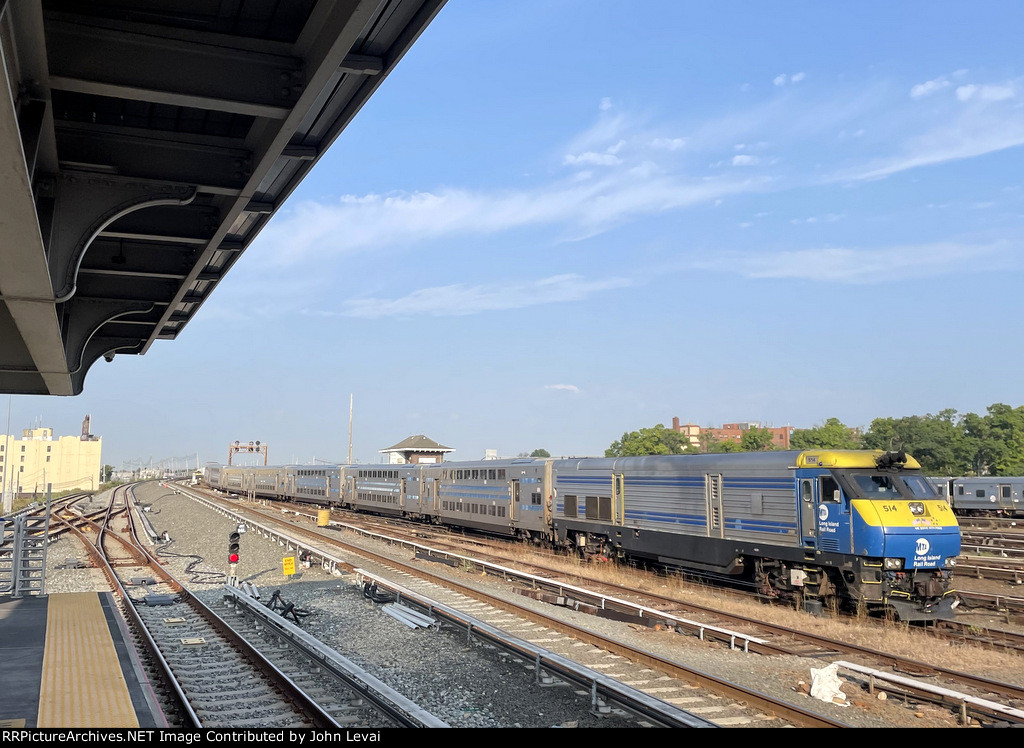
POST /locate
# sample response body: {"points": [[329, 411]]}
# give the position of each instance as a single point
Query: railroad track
{"points": [[973, 695], [218, 677]]}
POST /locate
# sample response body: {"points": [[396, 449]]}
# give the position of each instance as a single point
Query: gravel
{"points": [[430, 667]]}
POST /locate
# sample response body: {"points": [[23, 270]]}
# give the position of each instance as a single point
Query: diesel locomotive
{"points": [[842, 529]]}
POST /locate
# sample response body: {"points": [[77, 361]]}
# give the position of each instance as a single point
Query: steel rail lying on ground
{"points": [[603, 689], [385, 698]]}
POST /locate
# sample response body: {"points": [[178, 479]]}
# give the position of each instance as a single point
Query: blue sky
{"points": [[559, 220]]}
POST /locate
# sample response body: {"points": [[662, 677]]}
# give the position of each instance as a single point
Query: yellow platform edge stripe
{"points": [[82, 683]]}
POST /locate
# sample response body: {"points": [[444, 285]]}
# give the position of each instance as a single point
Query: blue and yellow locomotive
{"points": [[853, 529]]}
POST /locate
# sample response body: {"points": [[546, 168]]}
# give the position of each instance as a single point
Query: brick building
{"points": [[732, 432]]}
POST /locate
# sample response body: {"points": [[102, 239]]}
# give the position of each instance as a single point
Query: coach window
{"points": [[569, 506]]}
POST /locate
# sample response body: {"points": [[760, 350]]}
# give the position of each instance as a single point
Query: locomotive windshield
{"points": [[919, 486], [872, 485], [876, 486]]}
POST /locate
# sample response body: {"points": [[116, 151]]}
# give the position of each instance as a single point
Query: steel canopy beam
{"points": [[25, 287], [206, 71]]}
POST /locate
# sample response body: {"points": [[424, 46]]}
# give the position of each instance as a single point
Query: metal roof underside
{"points": [[145, 143]]}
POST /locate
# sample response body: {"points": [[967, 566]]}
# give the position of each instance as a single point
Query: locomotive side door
{"points": [[808, 513], [833, 517]]}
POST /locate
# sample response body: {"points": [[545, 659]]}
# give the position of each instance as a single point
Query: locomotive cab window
{"points": [[829, 489]]}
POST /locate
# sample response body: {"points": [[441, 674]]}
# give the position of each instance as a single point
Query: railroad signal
{"points": [[233, 545]]}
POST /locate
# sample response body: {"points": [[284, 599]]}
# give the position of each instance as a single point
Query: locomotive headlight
{"points": [[893, 564], [950, 562], [916, 508]]}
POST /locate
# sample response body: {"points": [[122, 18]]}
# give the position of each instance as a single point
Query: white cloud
{"points": [[985, 92], [856, 266], [980, 127], [580, 206], [744, 160], [459, 299], [566, 387], [597, 159], [928, 87], [606, 104], [668, 144], [783, 79]]}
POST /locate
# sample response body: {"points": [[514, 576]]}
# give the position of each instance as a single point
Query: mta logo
{"points": [[923, 546]]}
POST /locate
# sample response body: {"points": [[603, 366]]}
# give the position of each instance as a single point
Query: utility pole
{"points": [[351, 397]]}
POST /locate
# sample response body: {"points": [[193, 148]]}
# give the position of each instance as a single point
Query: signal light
{"points": [[233, 546]]}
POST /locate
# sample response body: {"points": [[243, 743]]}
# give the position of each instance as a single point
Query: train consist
{"points": [[858, 530], [985, 496]]}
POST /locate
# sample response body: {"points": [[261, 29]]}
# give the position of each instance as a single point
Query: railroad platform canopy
{"points": [[145, 143]]}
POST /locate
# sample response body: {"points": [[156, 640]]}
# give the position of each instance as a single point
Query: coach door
{"points": [[514, 492], [808, 514], [1005, 493]]}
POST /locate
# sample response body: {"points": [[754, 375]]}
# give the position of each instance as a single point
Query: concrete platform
{"points": [[66, 661]]}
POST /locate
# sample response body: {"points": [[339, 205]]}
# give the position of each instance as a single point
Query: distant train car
{"points": [[311, 484], [504, 497], [856, 529], [389, 490], [986, 496], [211, 475]]}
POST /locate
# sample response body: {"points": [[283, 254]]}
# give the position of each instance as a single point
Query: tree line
{"points": [[946, 443]]}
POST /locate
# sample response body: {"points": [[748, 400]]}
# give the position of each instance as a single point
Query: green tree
{"points": [[540, 453], [711, 445], [655, 440], [756, 440], [1007, 430], [108, 470], [833, 434], [936, 441]]}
